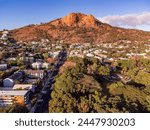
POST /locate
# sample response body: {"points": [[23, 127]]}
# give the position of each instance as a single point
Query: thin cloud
{"points": [[132, 20]]}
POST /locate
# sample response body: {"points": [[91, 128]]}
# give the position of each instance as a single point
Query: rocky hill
{"points": [[78, 27], [77, 20]]}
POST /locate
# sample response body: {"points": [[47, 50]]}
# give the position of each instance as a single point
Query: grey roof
{"points": [[16, 75]]}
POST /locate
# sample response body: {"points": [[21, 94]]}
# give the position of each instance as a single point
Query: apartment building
{"points": [[9, 97]]}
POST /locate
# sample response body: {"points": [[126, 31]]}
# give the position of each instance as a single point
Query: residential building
{"points": [[3, 66], [40, 65], [50, 60], [9, 97], [28, 59], [34, 73], [45, 65], [4, 35], [37, 65], [10, 81]]}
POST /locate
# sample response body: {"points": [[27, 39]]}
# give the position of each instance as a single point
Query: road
{"points": [[41, 105]]}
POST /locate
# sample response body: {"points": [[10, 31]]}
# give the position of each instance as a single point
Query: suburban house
{"points": [[34, 73], [10, 81], [40, 65], [45, 65], [54, 54], [3, 66], [50, 60], [4, 35], [37, 65], [27, 58]]}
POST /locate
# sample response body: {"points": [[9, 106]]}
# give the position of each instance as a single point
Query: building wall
{"points": [[3, 67], [9, 100]]}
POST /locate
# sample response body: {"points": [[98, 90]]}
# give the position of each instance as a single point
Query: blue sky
{"points": [[18, 13]]}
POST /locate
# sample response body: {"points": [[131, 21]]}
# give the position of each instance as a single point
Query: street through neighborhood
{"points": [[41, 105]]}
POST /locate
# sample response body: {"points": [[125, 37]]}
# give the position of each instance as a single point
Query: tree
{"points": [[16, 108], [83, 105], [45, 55], [1, 55], [103, 70], [142, 78], [62, 102], [71, 95]]}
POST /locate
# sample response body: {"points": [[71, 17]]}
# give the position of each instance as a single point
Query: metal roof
{"points": [[13, 93], [22, 86], [17, 75]]}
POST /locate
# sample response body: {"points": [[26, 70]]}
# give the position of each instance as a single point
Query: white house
{"points": [[29, 59], [45, 65], [4, 35], [40, 65], [59, 47], [5, 32], [37, 65], [34, 73], [55, 54], [3, 66], [89, 55]]}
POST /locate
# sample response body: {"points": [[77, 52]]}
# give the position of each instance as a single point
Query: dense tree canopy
{"points": [[81, 90]]}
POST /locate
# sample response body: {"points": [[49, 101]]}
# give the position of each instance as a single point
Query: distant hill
{"points": [[78, 27]]}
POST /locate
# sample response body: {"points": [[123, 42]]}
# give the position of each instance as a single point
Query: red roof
{"points": [[50, 60]]}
